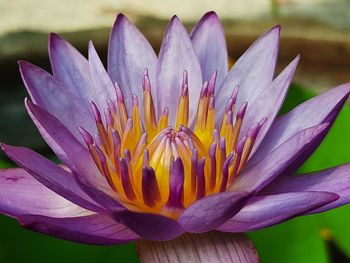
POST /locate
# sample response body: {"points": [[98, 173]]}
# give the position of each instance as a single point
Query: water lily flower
{"points": [[173, 148]]}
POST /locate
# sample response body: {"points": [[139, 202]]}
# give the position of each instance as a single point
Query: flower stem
{"points": [[207, 247]]}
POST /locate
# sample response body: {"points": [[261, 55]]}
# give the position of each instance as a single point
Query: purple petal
{"points": [[176, 55], [104, 196], [266, 210], [253, 71], [48, 93], [212, 211], [209, 42], [104, 88], [50, 175], [129, 53], [335, 180], [321, 109], [150, 226], [268, 103], [70, 67], [93, 229], [21, 193], [150, 189], [66, 146], [75, 156], [176, 184], [200, 248], [258, 176]]}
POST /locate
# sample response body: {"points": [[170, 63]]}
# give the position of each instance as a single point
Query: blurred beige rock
{"points": [[72, 15]]}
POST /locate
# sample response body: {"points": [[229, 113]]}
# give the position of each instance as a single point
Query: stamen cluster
{"points": [[158, 168]]}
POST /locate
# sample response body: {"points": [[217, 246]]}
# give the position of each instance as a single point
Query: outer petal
{"points": [[335, 180], [210, 247], [266, 210], [209, 42], [268, 103], [176, 55], [93, 229], [66, 146], [258, 176], [321, 109], [70, 67], [150, 226], [77, 157], [50, 175], [103, 86], [21, 194], [129, 53], [210, 212], [253, 71], [48, 93]]}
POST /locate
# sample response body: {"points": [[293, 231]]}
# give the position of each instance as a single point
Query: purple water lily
{"points": [[160, 147]]}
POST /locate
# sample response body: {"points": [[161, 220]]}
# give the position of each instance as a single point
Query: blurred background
{"points": [[317, 29]]}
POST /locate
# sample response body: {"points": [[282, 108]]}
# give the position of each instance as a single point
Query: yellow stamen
{"points": [[183, 109], [163, 120], [131, 148]]}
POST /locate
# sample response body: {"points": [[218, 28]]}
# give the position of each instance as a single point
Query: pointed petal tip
{"points": [[274, 32], [121, 19], [24, 66], [291, 67], [174, 17], [210, 17], [91, 50], [53, 35], [295, 61], [174, 21], [55, 41], [53, 38], [22, 63], [211, 13], [3, 146], [277, 27], [121, 16]]}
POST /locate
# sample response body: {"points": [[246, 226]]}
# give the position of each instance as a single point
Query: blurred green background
{"points": [[318, 29]]}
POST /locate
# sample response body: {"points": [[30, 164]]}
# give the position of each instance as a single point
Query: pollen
{"points": [[158, 168]]}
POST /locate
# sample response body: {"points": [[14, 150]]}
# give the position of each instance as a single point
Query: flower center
{"points": [[156, 168]]}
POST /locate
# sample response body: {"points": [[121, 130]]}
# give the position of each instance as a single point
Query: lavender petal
{"points": [[320, 109], [21, 193], [49, 94], [209, 42], [335, 180], [177, 55], [212, 211], [253, 71], [50, 175], [267, 210], [93, 229], [256, 177], [129, 53]]}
